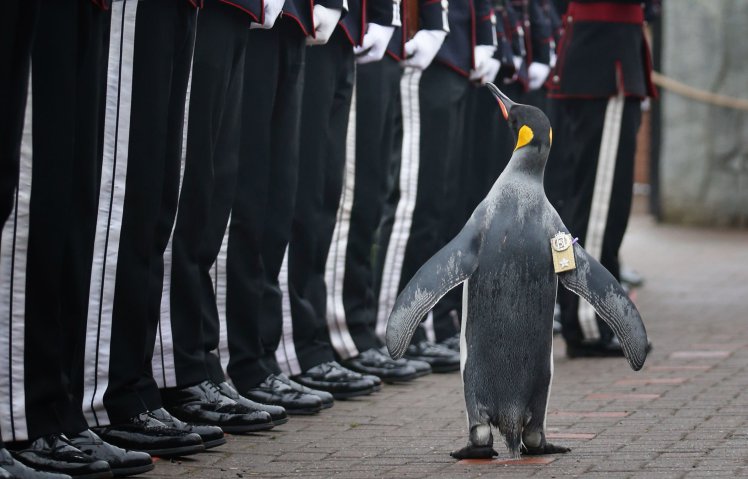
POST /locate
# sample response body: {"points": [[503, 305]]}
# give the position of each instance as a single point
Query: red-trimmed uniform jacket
{"points": [[602, 51]]}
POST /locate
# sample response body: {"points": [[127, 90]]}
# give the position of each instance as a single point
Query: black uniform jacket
{"points": [[602, 51]]}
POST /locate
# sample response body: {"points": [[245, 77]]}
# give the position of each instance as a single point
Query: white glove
{"points": [[374, 45], [486, 66], [273, 9], [325, 21], [423, 47], [537, 73], [517, 60]]}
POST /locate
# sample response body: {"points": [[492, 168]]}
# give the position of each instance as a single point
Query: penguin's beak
{"points": [[504, 102]]}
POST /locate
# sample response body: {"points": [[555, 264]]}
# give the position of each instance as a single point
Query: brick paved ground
{"points": [[685, 415]]}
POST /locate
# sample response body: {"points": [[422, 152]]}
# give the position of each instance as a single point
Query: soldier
{"points": [[351, 297], [187, 365], [247, 271], [305, 352], [601, 77], [434, 97], [45, 276]]}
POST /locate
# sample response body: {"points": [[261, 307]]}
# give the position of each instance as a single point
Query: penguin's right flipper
{"points": [[593, 283], [449, 267]]}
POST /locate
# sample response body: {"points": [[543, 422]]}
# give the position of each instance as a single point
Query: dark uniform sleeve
{"points": [[485, 23], [333, 4], [505, 36], [254, 8], [540, 31], [384, 12], [433, 15]]}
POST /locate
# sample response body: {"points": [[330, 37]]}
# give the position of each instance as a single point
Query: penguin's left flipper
{"points": [[449, 267], [547, 448], [593, 283]]}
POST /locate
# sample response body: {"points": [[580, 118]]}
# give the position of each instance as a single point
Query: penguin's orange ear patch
{"points": [[550, 135], [524, 136]]}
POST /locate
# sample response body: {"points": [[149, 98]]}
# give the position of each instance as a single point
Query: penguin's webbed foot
{"points": [[547, 448], [474, 452]]}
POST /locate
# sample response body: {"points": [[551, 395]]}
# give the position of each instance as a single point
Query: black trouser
{"points": [[262, 212], [442, 96], [137, 175], [208, 186], [353, 320], [599, 233], [328, 89], [60, 165], [17, 27]]}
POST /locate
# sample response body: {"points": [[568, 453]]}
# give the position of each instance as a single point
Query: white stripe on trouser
{"points": [[15, 241], [286, 352], [109, 219], [162, 363], [340, 337], [601, 196], [219, 275], [411, 114]]}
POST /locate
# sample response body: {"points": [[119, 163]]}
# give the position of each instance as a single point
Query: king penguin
{"points": [[504, 256]]}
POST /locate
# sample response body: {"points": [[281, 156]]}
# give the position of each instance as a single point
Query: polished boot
{"points": [[144, 433], [203, 403], [276, 390], [212, 436], [18, 470], [440, 358], [121, 462], [277, 413], [332, 377], [54, 453]]}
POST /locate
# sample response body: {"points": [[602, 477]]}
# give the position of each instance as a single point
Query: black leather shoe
{"points": [[440, 358], [372, 361], [121, 462], [203, 403], [327, 400], [18, 470], [332, 377], [610, 349], [277, 413], [144, 433], [54, 453], [212, 436], [276, 391], [422, 367]]}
